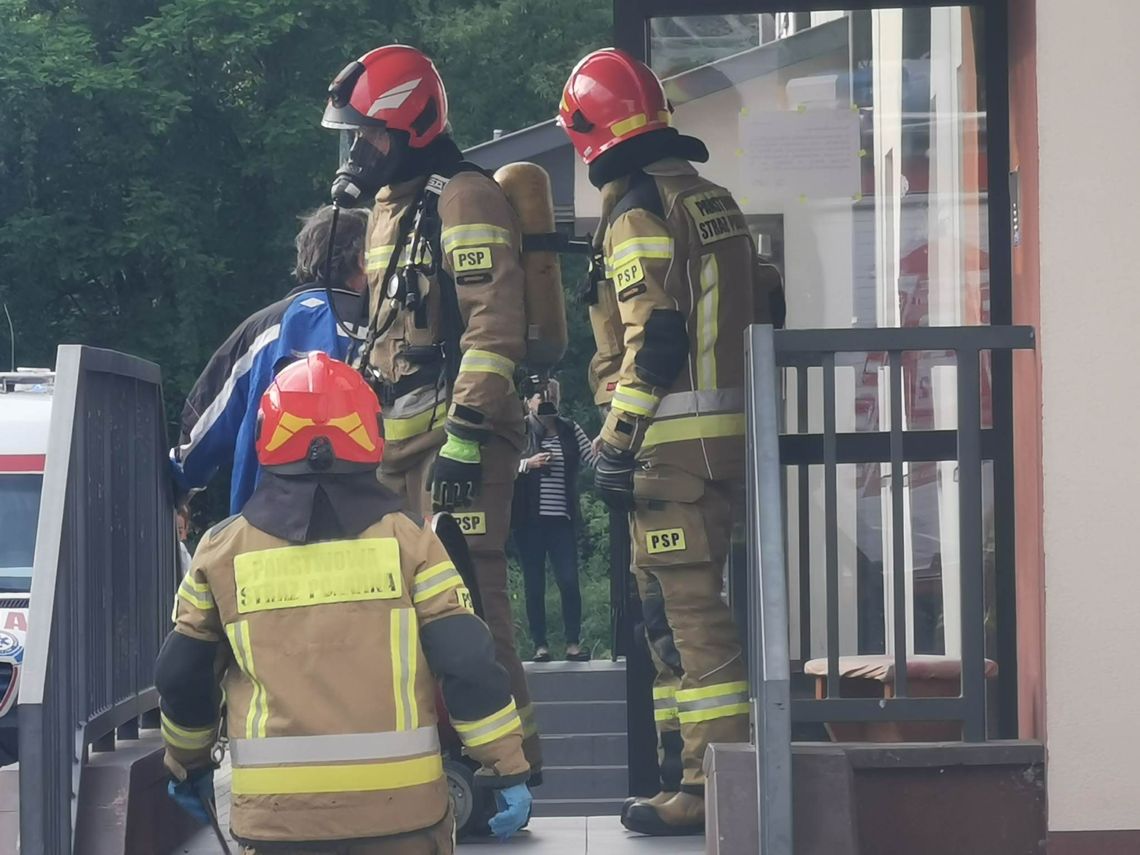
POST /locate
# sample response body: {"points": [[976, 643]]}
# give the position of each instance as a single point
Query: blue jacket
{"points": [[219, 421]]}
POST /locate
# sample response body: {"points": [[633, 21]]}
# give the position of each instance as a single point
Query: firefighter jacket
{"points": [[682, 283], [328, 650], [476, 283]]}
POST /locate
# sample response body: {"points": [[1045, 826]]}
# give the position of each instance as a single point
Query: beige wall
{"points": [[1090, 307]]}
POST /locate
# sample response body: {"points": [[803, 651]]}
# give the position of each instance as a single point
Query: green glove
{"points": [[456, 475]]}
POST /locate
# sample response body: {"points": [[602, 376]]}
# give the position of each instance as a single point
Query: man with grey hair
{"points": [[219, 421]]}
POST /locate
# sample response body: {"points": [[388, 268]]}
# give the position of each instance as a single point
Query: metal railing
{"points": [[103, 582], [771, 454]]}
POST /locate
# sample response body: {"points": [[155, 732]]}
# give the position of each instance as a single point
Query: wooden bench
{"points": [[874, 677]]}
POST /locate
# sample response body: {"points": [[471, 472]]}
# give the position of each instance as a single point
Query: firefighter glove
{"points": [[613, 477], [456, 475], [192, 794], [514, 810]]}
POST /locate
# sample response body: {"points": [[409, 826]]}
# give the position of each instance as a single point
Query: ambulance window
{"points": [[19, 513]]}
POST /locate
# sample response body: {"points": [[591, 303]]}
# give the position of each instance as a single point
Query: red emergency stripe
{"points": [[22, 462]]}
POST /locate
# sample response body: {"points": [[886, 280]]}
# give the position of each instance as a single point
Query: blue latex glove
{"points": [[514, 810], [190, 793]]}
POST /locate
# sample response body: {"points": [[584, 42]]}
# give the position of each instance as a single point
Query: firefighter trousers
{"points": [[681, 530], [437, 840], [486, 525]]}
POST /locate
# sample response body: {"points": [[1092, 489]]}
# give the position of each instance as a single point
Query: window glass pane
{"points": [[856, 143], [19, 513]]}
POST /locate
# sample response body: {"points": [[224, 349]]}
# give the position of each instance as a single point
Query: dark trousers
{"points": [[553, 535]]}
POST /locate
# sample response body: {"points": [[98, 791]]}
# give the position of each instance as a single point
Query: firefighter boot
{"points": [[669, 760], [682, 815]]}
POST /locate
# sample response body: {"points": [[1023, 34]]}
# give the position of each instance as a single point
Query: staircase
{"points": [[580, 708]]}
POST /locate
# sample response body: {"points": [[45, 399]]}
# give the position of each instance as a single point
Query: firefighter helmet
{"points": [[319, 415], [394, 87], [610, 98]]}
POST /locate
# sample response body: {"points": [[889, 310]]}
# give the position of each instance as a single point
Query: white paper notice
{"points": [[812, 154]]}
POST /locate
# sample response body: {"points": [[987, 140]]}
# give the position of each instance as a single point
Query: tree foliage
{"points": [[154, 156]]}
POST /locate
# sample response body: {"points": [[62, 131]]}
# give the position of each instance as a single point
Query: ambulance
{"points": [[25, 412]]}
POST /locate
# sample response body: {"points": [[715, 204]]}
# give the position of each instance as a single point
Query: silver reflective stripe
{"points": [[333, 748], [499, 721], [413, 403], [712, 703], [669, 703], [705, 401]]}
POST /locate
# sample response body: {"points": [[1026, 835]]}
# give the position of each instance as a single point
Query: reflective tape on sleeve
{"points": [[435, 580], [376, 259], [487, 362], [187, 738], [406, 428], [196, 593], [488, 729], [473, 234], [634, 401], [656, 246]]}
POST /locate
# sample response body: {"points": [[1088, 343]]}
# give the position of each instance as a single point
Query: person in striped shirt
{"points": [[545, 516]]}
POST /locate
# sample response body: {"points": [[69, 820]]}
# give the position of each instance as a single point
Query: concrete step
{"points": [[585, 749], [582, 782], [580, 717], [577, 807], [576, 681]]}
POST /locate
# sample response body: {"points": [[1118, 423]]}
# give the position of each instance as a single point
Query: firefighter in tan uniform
{"points": [[447, 322], [680, 282], [326, 615]]}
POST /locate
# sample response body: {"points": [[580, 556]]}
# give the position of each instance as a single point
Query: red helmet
{"points": [[319, 415], [393, 87], [610, 98]]}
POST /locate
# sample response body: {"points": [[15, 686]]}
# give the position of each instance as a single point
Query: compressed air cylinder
{"points": [[527, 185]]}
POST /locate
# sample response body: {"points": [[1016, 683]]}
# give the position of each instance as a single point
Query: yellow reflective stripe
{"points": [[377, 258], [625, 126], [257, 716], [529, 724], [473, 234], [634, 401], [405, 645], [696, 716], [433, 571], [487, 362], [339, 778], [397, 429], [685, 696], [660, 692], [197, 594], [665, 714], [639, 247], [454, 581], [708, 305], [188, 739], [488, 729], [694, 427]]}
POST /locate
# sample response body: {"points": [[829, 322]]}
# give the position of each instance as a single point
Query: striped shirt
{"points": [[552, 496]]}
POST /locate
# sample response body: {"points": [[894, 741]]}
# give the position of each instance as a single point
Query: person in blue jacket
{"points": [[219, 421]]}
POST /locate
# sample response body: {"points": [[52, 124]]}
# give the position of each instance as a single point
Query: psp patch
{"points": [[472, 522], [471, 258], [628, 275], [465, 599], [665, 540]]}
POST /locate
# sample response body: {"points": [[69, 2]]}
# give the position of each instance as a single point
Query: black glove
{"points": [[613, 478], [456, 475]]}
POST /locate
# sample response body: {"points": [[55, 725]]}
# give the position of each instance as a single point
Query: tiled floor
{"points": [[595, 835]]}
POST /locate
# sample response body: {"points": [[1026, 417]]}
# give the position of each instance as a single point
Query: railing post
{"points": [[768, 598]]}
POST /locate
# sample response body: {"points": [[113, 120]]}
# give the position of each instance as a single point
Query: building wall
{"points": [[1089, 125]]}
